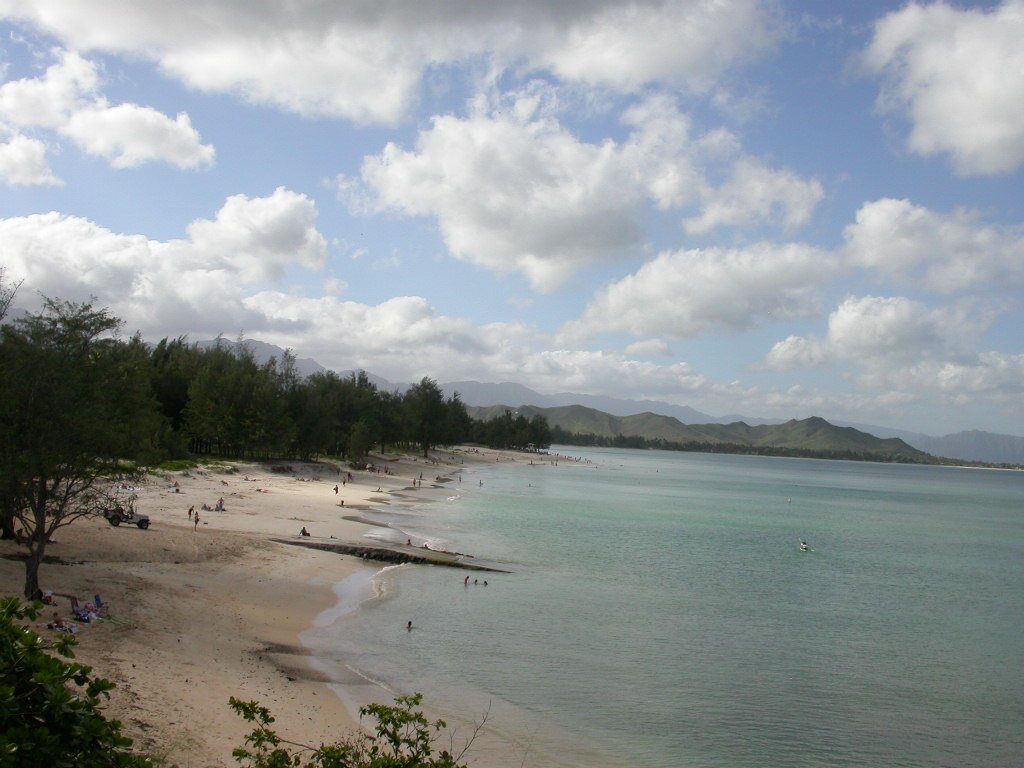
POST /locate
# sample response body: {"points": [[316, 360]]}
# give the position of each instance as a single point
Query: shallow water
{"points": [[662, 614]]}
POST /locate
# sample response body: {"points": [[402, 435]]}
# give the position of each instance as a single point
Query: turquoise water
{"points": [[662, 614]]}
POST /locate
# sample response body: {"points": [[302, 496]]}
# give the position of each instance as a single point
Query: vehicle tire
{"points": [[143, 524], [115, 521]]}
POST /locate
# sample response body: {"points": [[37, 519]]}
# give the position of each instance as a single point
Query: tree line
{"points": [[79, 405]]}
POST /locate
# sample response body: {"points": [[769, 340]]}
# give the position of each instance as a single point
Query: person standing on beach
{"points": [[196, 526], [191, 510]]}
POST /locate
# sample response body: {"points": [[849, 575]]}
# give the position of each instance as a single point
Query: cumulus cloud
{"points": [[886, 334], [364, 61], [956, 76], [513, 195], [947, 253], [684, 293], [903, 352], [649, 348], [47, 101], [755, 193], [261, 237], [128, 135], [23, 162], [196, 283], [66, 99], [513, 190], [207, 285]]}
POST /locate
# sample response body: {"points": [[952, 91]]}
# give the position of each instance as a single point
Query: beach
{"points": [[203, 612]]}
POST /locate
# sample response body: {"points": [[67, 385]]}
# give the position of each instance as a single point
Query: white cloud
{"points": [[602, 372], [685, 293], [511, 195], [628, 45], [66, 99], [905, 352], [888, 336], [993, 373], [757, 193], [891, 330], [649, 348], [516, 191], [128, 135], [23, 162], [47, 101], [193, 285], [364, 62], [798, 352], [261, 237], [947, 253], [956, 74]]}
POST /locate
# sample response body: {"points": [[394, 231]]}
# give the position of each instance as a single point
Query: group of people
{"points": [[82, 614]]}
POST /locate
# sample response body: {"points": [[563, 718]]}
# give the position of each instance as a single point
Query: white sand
{"points": [[203, 613]]}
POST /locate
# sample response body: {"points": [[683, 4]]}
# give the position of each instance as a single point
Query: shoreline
{"points": [[201, 612]]}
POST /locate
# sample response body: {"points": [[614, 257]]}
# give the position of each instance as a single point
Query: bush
{"points": [[402, 738], [50, 708]]}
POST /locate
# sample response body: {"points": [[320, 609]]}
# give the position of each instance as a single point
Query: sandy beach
{"points": [[200, 613]]}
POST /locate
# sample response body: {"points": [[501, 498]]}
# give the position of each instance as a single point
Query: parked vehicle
{"points": [[125, 513]]}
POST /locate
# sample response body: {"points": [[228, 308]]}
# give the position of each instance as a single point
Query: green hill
{"points": [[810, 437]]}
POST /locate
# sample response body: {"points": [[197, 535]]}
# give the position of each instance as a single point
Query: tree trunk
{"points": [[35, 557], [7, 525]]}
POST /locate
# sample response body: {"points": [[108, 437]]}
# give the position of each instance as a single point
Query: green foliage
{"points": [[50, 713], [402, 738], [74, 402], [508, 431]]}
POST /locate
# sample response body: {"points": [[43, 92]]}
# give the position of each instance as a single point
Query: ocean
{"points": [[660, 613]]}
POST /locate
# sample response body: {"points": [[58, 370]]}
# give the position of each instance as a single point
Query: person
{"points": [[466, 582], [335, 490], [803, 545], [408, 627], [304, 532], [191, 510], [196, 520], [220, 504]]}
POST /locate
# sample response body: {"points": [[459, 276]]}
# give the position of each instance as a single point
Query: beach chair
{"points": [[80, 613], [99, 607]]}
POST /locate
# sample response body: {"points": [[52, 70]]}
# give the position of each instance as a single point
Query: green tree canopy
{"points": [[74, 403]]}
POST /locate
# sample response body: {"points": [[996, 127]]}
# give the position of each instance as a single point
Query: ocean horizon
{"points": [[660, 612]]}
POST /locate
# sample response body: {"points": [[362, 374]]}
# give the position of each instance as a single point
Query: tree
{"points": [[74, 403], [49, 708], [424, 403], [7, 293], [402, 738]]}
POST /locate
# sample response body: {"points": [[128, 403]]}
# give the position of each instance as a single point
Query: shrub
{"points": [[402, 738], [50, 708]]}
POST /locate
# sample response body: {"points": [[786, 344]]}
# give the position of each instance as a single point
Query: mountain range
{"points": [[970, 445], [813, 436]]}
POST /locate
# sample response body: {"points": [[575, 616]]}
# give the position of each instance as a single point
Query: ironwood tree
{"points": [[75, 404]]}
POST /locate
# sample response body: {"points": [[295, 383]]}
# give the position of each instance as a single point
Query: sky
{"points": [[771, 208]]}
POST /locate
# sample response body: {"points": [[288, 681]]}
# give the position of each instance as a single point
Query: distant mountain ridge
{"points": [[479, 393], [971, 445], [815, 435]]}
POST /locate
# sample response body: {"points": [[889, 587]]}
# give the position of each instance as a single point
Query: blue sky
{"points": [[779, 209]]}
